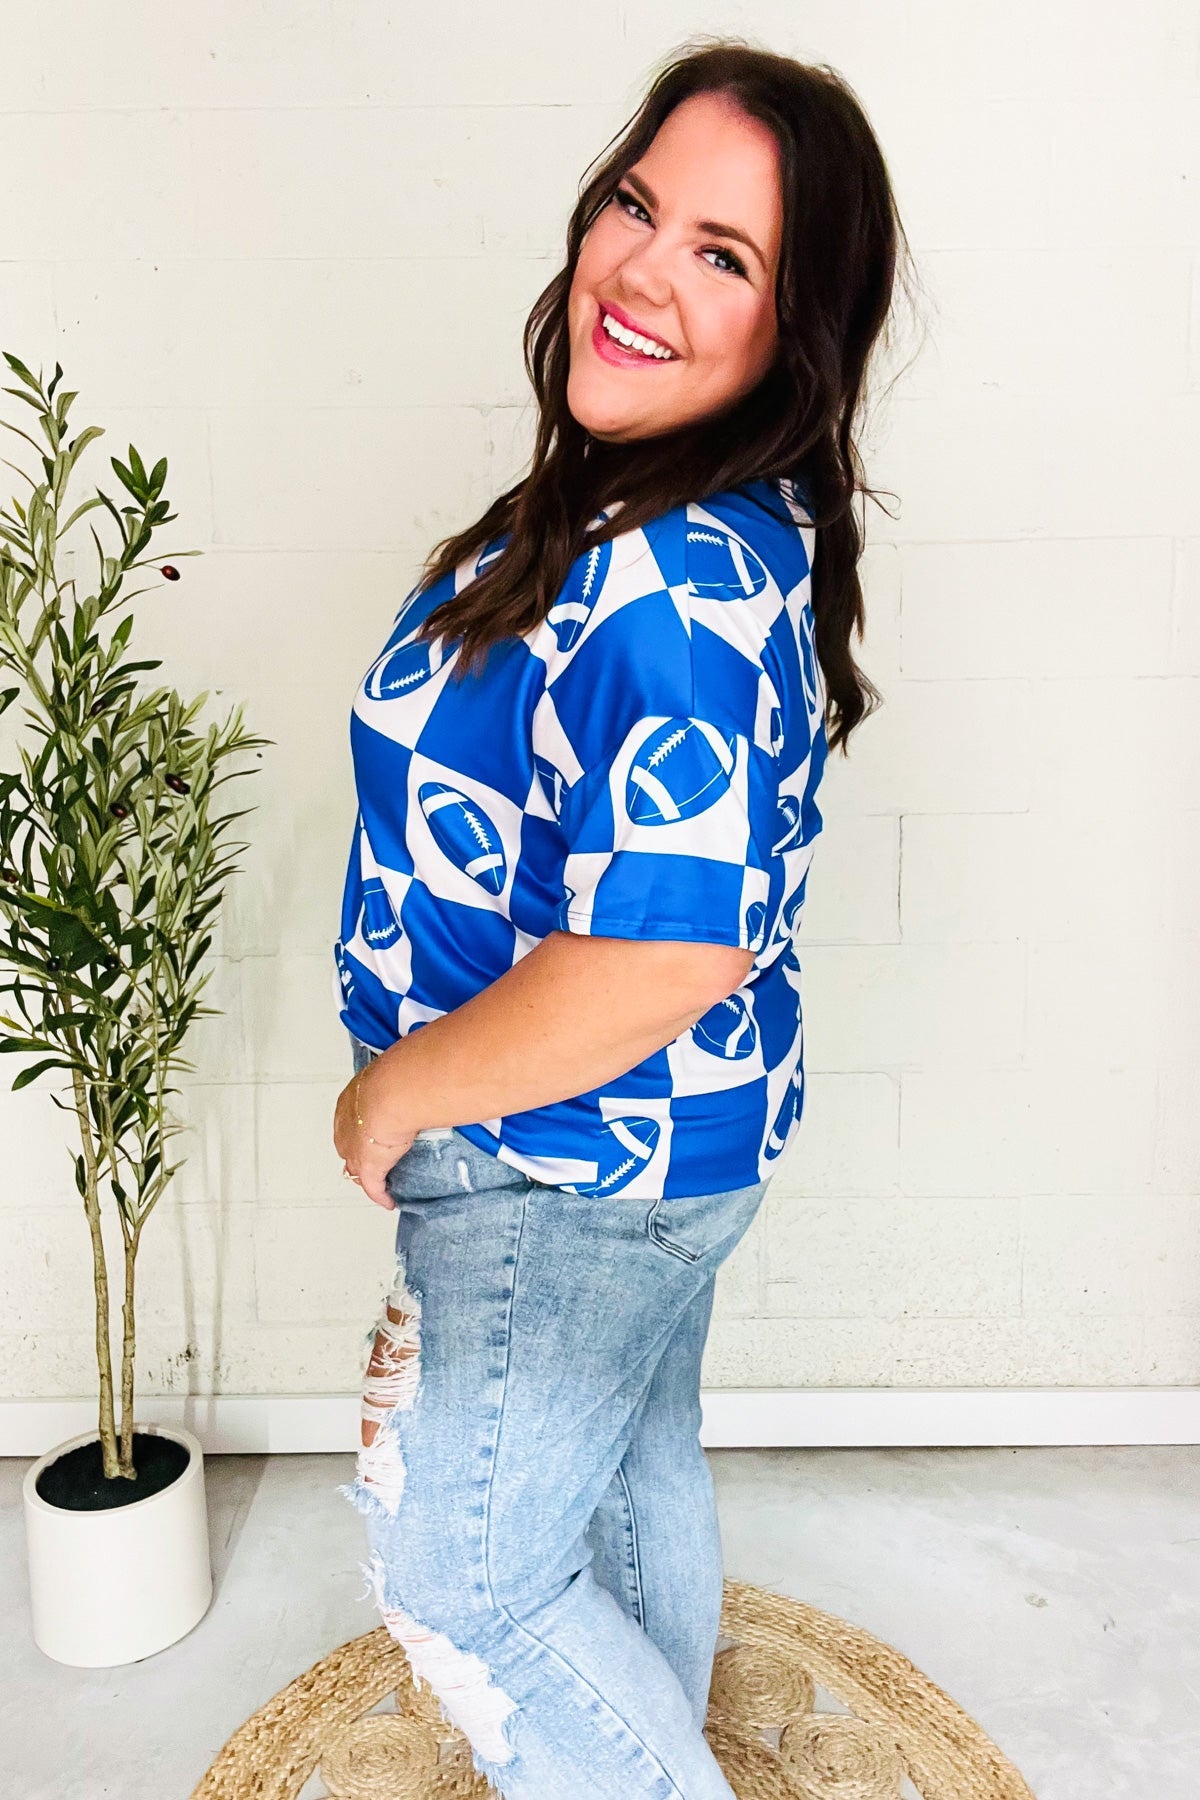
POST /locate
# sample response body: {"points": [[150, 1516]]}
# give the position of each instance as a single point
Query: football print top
{"points": [[643, 764]]}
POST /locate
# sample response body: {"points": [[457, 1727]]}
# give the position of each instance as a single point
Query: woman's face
{"points": [[684, 253]]}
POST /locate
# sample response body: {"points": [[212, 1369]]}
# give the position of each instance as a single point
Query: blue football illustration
{"points": [[552, 783], [794, 496], [488, 555], [727, 1029], [678, 772], [343, 975], [627, 1145], [808, 658], [402, 668], [793, 903], [380, 926], [787, 825], [787, 1116], [576, 598], [720, 566], [756, 919], [464, 834], [782, 933]]}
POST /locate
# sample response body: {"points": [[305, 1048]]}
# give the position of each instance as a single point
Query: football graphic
{"points": [[402, 668], [464, 834], [551, 781], [343, 977], [681, 769], [727, 1029], [756, 919], [628, 1143], [793, 495], [380, 926], [572, 609], [782, 933], [786, 1117], [787, 825], [720, 566], [810, 673], [488, 555], [793, 903]]}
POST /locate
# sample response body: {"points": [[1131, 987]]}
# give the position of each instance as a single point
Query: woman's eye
{"points": [[624, 199], [737, 269]]}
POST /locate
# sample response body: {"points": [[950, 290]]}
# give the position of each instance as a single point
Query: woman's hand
{"points": [[367, 1162]]}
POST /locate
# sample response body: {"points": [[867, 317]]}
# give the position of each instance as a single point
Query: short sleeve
{"points": [[671, 836], [672, 816]]}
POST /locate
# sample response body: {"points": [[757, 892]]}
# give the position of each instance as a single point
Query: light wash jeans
{"points": [[540, 1515]]}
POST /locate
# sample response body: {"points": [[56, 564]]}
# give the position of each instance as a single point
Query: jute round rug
{"points": [[899, 1736]]}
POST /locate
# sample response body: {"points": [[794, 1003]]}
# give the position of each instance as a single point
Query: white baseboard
{"points": [[748, 1418]]}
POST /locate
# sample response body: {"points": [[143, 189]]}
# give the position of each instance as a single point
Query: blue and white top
{"points": [[642, 764]]}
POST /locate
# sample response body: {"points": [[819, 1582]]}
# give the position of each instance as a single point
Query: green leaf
{"points": [[29, 399], [125, 478], [78, 514], [69, 935], [18, 368], [53, 1020], [28, 1075]]}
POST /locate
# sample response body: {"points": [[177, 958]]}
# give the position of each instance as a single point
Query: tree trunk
{"points": [[91, 1206], [127, 1354]]}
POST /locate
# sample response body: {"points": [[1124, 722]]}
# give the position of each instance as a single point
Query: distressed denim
{"points": [[540, 1515]]}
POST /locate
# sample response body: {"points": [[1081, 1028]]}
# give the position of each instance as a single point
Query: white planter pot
{"points": [[112, 1586]]}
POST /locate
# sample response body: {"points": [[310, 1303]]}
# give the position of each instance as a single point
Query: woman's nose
{"points": [[646, 272]]}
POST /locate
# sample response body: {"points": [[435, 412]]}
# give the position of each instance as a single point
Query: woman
{"points": [[586, 762]]}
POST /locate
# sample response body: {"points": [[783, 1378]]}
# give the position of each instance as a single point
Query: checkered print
{"points": [[643, 764]]}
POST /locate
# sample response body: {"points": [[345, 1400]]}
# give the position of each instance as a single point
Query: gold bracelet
{"points": [[361, 1121]]}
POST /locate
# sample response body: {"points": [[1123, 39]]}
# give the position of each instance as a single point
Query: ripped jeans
{"points": [[540, 1514]]}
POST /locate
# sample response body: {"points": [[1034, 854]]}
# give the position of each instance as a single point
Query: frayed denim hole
{"points": [[391, 1386], [460, 1681]]}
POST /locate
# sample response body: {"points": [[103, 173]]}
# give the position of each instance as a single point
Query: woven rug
{"points": [[802, 1707]]}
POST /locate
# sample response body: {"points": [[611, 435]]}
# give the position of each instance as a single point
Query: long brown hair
{"points": [[841, 244]]}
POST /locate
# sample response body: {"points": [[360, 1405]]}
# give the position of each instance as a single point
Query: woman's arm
{"points": [[575, 1012]]}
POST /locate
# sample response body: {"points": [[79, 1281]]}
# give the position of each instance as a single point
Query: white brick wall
{"points": [[291, 247]]}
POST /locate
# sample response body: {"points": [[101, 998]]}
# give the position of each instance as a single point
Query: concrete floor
{"points": [[1054, 1593]]}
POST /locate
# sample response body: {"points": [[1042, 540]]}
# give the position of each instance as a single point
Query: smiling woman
{"points": [[587, 760], [658, 267]]}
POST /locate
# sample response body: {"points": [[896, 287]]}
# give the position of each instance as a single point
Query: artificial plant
{"points": [[110, 871]]}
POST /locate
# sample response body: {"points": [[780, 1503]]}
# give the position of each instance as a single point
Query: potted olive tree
{"points": [[111, 874]]}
